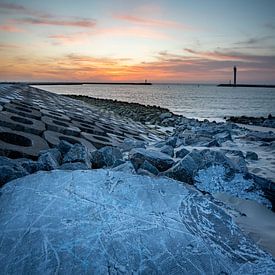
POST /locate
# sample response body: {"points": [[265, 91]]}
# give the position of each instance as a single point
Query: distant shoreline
{"points": [[79, 83]]}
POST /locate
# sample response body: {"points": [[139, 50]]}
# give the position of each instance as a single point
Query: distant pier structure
{"points": [[243, 85], [235, 75]]}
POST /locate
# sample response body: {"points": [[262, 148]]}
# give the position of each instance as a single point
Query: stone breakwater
{"points": [[137, 112], [258, 121], [141, 198], [44, 131]]}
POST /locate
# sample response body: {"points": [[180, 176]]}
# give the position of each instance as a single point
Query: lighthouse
{"points": [[235, 75]]}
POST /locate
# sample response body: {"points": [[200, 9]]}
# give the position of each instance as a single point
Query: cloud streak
{"points": [[167, 66], [83, 23], [148, 21], [10, 28]]}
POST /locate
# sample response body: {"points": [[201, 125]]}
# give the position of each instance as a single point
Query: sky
{"points": [[173, 41]]}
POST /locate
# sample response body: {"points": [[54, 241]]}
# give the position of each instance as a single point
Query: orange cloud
{"points": [[10, 28], [166, 68]]}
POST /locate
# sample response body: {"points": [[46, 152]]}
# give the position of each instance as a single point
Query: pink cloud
{"points": [[222, 56], [150, 22], [10, 28]]}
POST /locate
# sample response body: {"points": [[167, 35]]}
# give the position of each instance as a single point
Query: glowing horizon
{"points": [[116, 40]]}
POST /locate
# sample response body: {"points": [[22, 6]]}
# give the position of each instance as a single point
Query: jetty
{"points": [[243, 85]]}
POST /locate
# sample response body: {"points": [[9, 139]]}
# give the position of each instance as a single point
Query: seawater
{"points": [[196, 101]]}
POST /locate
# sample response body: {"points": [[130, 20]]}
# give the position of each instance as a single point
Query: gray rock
{"points": [[260, 136], [184, 170], [74, 166], [107, 156], [161, 161], [9, 170], [251, 155], [223, 137], [182, 153], [159, 144], [64, 147], [165, 115], [29, 165], [212, 143], [172, 141], [49, 159], [168, 122], [125, 167], [78, 153], [54, 152], [149, 167], [167, 149], [129, 144]]}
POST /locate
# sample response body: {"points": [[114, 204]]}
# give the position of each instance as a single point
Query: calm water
{"points": [[204, 101]]}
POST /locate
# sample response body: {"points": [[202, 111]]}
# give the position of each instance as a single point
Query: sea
{"points": [[192, 101]]}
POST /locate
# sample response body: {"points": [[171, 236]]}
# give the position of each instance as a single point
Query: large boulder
{"points": [[105, 222], [184, 170], [78, 153], [161, 161], [107, 156]]}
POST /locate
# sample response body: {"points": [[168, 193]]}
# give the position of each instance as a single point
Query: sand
{"points": [[256, 220]]}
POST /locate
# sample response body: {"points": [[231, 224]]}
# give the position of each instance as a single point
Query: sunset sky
{"points": [[179, 41]]}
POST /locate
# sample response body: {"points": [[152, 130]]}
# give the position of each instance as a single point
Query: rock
{"points": [[239, 164], [266, 185], [182, 153], [161, 161], [78, 153], [10, 169], [54, 152], [49, 159], [212, 143], [106, 222], [165, 115], [149, 167], [107, 156], [159, 144], [168, 150], [183, 171], [223, 137], [144, 172], [172, 141], [251, 155], [129, 144], [168, 122], [74, 166], [260, 136], [125, 167], [64, 147], [212, 180], [29, 165]]}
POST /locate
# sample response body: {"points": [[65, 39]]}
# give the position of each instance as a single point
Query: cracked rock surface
{"points": [[101, 221]]}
